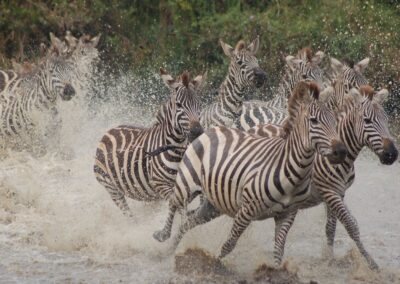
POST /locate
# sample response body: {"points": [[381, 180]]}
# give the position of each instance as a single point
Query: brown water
{"points": [[57, 224]]}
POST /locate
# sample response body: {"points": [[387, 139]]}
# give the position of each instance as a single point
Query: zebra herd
{"points": [[35, 88], [255, 160], [249, 160]]}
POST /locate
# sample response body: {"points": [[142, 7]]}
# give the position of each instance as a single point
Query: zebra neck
{"points": [[348, 135], [230, 94], [285, 88], [48, 91], [299, 155], [172, 136]]}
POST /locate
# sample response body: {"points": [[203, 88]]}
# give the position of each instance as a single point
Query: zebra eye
{"points": [[239, 62], [313, 121], [367, 120], [179, 105], [304, 76]]}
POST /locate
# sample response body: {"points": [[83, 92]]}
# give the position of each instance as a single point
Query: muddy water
{"points": [[57, 224]]}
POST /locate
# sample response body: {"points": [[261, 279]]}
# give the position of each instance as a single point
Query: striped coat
{"points": [[243, 72], [30, 94], [251, 177], [302, 67], [362, 122], [122, 163]]}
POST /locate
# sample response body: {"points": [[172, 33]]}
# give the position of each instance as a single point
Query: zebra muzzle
{"points": [[68, 92], [389, 154], [338, 153], [259, 77], [195, 130]]}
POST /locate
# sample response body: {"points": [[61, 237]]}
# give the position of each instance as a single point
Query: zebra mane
{"points": [[305, 54], [302, 93]]}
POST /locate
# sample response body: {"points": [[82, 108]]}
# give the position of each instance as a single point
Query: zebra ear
{"points": [[15, 65], [169, 81], [56, 42], [326, 94], [253, 47], [337, 66], [381, 96], [292, 62], [317, 59], [199, 81], [95, 40], [71, 40], [360, 66], [43, 49], [228, 50]]}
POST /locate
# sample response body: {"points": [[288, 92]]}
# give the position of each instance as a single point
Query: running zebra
{"points": [[249, 177], [362, 122], [82, 53], [346, 77], [36, 91], [303, 67], [243, 72], [122, 163]]}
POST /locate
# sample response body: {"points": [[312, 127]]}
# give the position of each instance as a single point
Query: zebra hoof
{"points": [[161, 236], [373, 266]]}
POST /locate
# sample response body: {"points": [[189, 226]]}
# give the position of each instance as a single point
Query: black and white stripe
{"points": [[362, 122], [249, 177], [35, 91], [122, 164], [243, 72], [303, 67]]}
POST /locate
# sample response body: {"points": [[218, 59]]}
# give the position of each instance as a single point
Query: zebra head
{"points": [[371, 122], [184, 104], [244, 66], [315, 121], [85, 50], [305, 67], [81, 53], [350, 74], [58, 71]]}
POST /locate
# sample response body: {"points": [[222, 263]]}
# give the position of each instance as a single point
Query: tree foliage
{"points": [[183, 34]]}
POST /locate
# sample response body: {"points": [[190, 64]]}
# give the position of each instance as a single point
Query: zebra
{"points": [[37, 90], [82, 53], [362, 122], [7, 78], [346, 77], [249, 177], [122, 165], [303, 67], [243, 72]]}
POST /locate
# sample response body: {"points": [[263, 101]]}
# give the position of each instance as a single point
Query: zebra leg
{"points": [[330, 230], [164, 234], [119, 199], [203, 214], [340, 210], [241, 222], [283, 223]]}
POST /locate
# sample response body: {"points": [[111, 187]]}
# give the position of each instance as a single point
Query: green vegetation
{"points": [[183, 34]]}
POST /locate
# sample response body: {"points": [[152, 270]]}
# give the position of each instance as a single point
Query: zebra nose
{"points": [[68, 92], [339, 152], [389, 154], [259, 76], [195, 130]]}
